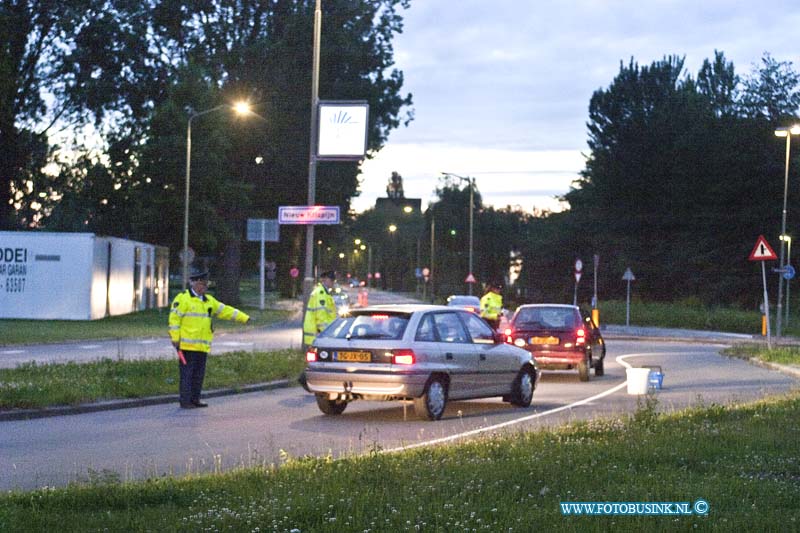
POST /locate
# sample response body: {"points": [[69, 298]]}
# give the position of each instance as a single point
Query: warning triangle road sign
{"points": [[762, 251], [470, 278]]}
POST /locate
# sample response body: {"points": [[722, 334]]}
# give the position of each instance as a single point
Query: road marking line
{"points": [[9, 352], [510, 422], [90, 346], [233, 343], [620, 360]]}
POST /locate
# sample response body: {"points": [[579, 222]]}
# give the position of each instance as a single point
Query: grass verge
{"points": [[32, 385], [782, 355], [742, 460], [149, 323], [685, 315]]}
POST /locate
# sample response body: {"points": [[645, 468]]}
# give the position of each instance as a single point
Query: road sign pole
{"points": [[261, 280], [628, 306], [766, 303]]}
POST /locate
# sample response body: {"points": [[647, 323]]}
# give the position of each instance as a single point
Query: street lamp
{"points": [[241, 108], [471, 182], [390, 281], [784, 132]]}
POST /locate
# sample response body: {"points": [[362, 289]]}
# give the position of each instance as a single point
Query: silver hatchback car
{"points": [[426, 353]]}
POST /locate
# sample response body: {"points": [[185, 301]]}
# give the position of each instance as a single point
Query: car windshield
{"points": [[376, 325], [546, 318]]}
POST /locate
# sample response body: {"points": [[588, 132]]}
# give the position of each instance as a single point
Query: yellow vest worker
{"points": [[191, 333], [492, 306], [321, 309]]}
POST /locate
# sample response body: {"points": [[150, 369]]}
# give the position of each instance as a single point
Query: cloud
{"points": [[506, 85]]}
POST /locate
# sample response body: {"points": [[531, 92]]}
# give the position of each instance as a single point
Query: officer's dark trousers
{"points": [[192, 374]]}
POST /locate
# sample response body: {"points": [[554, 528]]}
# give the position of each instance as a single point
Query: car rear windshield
{"points": [[546, 318], [374, 325]]}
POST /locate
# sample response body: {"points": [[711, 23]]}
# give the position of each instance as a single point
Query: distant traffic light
{"points": [[452, 232]]}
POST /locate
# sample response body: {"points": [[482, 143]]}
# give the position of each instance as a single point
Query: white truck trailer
{"points": [[79, 276]]}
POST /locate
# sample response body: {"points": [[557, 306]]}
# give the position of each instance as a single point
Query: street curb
{"points": [[784, 369], [29, 414]]}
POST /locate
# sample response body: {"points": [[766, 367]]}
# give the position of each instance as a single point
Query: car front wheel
{"points": [[432, 403], [523, 388], [330, 407]]}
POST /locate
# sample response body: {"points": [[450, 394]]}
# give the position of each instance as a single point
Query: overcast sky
{"points": [[501, 88]]}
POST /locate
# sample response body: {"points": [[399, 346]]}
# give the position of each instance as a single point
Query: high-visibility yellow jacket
{"points": [[320, 312], [491, 305], [190, 320]]}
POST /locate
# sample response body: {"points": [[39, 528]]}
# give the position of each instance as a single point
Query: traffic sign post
{"points": [[262, 229], [578, 273], [595, 310], [628, 276], [762, 251]]}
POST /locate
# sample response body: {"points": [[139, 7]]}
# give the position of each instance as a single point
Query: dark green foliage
{"points": [[682, 177]]}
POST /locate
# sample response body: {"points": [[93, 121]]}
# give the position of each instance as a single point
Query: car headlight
{"points": [[344, 310], [519, 342]]}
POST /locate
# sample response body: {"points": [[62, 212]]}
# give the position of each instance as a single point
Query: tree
{"points": [[772, 92], [65, 64], [680, 180], [224, 50]]}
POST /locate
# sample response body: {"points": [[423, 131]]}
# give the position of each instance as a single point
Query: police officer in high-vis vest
{"points": [[191, 332], [492, 305], [321, 309]]}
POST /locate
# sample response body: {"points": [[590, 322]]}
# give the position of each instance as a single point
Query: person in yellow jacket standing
{"points": [[492, 305], [321, 309], [191, 333]]}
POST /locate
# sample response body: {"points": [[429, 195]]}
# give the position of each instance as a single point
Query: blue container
{"points": [[656, 378]]}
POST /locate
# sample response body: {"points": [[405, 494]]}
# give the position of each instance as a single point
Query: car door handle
{"points": [[448, 355], [483, 357]]}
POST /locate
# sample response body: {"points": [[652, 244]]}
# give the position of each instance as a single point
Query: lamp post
{"points": [[242, 108], [433, 249], [308, 280], [471, 183], [783, 132], [392, 230]]}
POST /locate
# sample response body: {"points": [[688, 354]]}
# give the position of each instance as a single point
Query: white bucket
{"points": [[637, 380]]}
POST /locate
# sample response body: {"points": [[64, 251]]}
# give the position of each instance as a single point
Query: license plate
{"points": [[358, 357], [544, 340]]}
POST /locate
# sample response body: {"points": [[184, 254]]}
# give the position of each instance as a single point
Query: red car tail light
{"points": [[509, 339], [580, 336], [311, 355], [403, 357]]}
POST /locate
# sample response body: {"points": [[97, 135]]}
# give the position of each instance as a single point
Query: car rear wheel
{"points": [[432, 403], [330, 407], [583, 370], [523, 388], [599, 369]]}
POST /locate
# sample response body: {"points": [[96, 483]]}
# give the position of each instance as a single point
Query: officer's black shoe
{"points": [[200, 404], [188, 406]]}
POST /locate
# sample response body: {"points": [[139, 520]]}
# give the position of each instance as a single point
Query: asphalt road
{"points": [[277, 336], [269, 426]]}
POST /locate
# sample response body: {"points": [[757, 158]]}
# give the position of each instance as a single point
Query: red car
{"points": [[558, 337]]}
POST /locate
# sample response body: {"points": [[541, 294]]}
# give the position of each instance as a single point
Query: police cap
{"points": [[198, 274], [330, 274]]}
